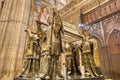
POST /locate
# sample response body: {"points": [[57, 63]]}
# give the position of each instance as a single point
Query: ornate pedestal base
{"points": [[69, 78], [22, 78]]}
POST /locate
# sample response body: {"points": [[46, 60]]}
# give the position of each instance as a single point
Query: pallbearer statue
{"points": [[68, 58], [76, 59], [43, 23], [51, 47], [56, 44], [87, 56], [72, 59], [45, 49], [31, 62]]}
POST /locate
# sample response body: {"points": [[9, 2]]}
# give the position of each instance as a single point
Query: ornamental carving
{"points": [[116, 19], [116, 35], [96, 29], [112, 22], [108, 24]]}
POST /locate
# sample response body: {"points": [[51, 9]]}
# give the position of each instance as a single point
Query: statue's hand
{"points": [[28, 32]]}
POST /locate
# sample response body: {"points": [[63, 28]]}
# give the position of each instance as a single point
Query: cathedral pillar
{"points": [[13, 21]]}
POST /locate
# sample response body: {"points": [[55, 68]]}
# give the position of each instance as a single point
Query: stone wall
{"points": [[71, 12], [13, 21]]}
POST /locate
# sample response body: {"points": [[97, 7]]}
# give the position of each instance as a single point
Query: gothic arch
{"points": [[113, 41], [107, 38], [113, 50]]}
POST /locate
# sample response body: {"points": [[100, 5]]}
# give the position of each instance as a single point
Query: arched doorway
{"points": [[113, 42]]}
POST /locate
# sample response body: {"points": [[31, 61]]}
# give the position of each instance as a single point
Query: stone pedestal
{"points": [[86, 78], [72, 78], [19, 78]]}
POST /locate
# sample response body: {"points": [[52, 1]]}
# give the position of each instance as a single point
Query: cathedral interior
{"points": [[59, 39]]}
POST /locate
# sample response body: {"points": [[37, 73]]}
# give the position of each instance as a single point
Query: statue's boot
{"points": [[78, 70], [44, 67], [69, 66], [26, 69], [88, 71], [93, 69], [58, 70]]}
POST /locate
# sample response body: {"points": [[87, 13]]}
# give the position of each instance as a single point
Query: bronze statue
{"points": [[45, 47], [56, 44], [44, 50], [87, 56], [68, 58], [76, 59], [32, 56]]}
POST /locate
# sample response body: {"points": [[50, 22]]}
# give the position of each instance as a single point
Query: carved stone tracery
{"points": [[116, 19], [108, 24], [95, 27], [116, 35], [112, 22]]}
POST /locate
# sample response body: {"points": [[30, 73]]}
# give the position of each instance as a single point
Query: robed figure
{"points": [[31, 62], [87, 56], [56, 31], [51, 47], [43, 23]]}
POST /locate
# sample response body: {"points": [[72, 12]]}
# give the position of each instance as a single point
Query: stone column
{"points": [[13, 21]]}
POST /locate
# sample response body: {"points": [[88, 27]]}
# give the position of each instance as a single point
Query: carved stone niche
{"points": [[113, 40], [111, 22], [116, 35]]}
